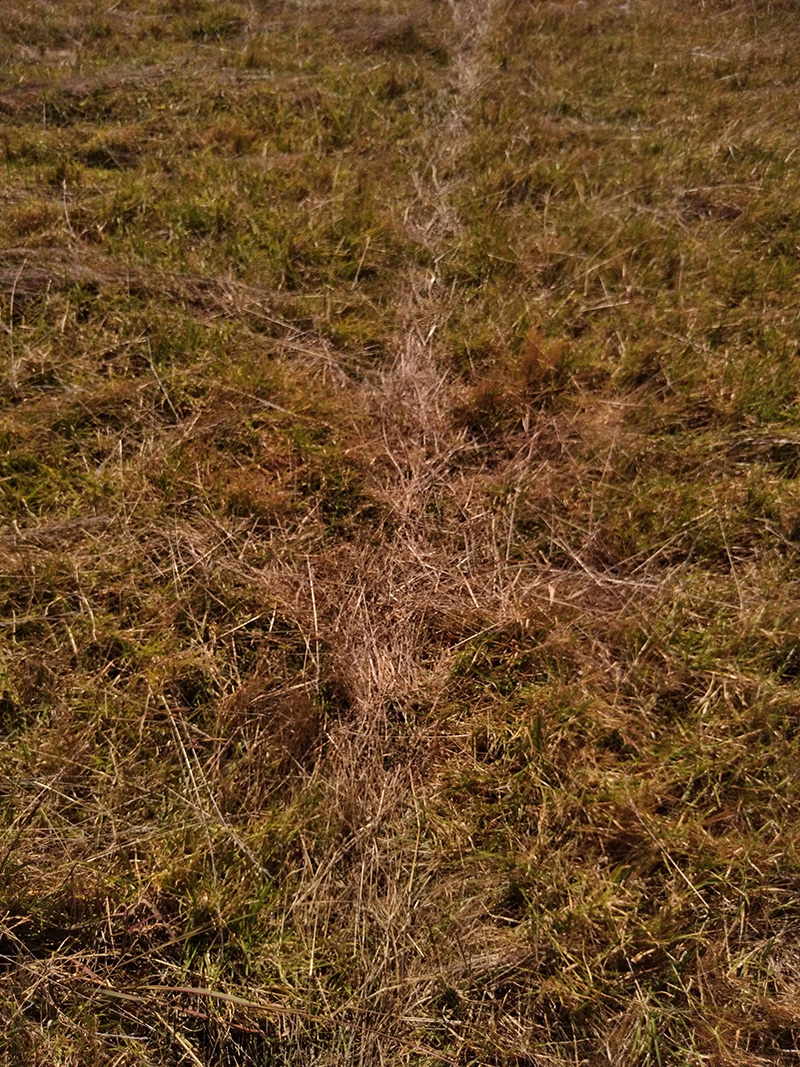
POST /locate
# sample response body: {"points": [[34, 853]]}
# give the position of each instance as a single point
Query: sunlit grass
{"points": [[398, 533]]}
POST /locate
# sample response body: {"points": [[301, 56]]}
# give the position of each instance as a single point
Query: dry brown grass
{"points": [[399, 512], [34, 273]]}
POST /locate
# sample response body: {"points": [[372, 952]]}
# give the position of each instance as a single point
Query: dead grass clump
{"points": [[120, 149], [34, 219], [511, 390], [232, 136]]}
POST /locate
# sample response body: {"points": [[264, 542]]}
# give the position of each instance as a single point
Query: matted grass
{"points": [[399, 521]]}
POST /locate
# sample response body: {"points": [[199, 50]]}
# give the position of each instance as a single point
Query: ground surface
{"points": [[399, 530]]}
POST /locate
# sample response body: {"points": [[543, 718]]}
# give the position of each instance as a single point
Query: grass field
{"points": [[399, 533]]}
